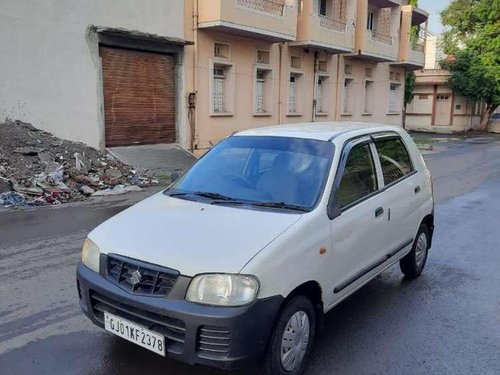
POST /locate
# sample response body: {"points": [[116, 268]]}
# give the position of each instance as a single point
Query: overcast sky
{"points": [[434, 7]]}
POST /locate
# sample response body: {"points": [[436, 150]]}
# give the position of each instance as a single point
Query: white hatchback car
{"points": [[237, 261]]}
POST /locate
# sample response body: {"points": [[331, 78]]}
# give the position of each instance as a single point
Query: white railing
{"points": [[417, 47], [332, 23], [267, 6], [381, 37]]}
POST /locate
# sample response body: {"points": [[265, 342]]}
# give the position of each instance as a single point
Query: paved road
{"points": [[446, 322]]}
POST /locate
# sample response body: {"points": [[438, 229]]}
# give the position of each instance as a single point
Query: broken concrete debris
{"points": [[37, 168]]}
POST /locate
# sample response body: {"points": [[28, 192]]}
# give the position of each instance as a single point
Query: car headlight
{"points": [[223, 289], [90, 255]]}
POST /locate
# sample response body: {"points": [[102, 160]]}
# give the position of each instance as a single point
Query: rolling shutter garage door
{"points": [[139, 97]]}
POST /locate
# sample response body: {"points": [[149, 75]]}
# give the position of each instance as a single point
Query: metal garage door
{"points": [[139, 97]]}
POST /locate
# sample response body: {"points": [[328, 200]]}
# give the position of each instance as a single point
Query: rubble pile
{"points": [[37, 168]]}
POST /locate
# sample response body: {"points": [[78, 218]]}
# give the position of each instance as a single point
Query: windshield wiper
{"points": [[280, 205], [205, 194]]}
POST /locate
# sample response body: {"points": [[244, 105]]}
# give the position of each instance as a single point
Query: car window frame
{"points": [[346, 150], [392, 135]]}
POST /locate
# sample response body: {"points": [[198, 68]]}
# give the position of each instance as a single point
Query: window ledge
{"points": [[294, 114], [221, 114], [321, 114], [262, 114], [346, 114], [393, 113], [366, 114]]}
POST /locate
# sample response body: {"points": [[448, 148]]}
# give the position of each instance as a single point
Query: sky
{"points": [[434, 7]]}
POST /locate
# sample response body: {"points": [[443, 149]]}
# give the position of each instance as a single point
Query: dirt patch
{"points": [[39, 168]]}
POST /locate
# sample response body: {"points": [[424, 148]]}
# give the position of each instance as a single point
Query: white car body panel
{"points": [[281, 249], [188, 236]]}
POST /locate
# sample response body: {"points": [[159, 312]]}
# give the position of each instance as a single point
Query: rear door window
{"points": [[359, 178], [394, 159]]}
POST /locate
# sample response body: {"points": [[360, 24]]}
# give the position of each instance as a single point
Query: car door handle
{"points": [[417, 189], [379, 211]]}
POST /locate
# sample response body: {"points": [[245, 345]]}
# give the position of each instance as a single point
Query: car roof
{"points": [[324, 131]]}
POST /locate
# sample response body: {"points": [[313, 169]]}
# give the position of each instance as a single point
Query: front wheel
{"points": [[292, 338], [413, 263]]}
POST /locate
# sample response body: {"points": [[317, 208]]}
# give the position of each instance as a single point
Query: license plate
{"points": [[134, 333]]}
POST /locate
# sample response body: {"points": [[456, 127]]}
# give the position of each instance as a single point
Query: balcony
{"points": [[412, 37], [377, 27], [330, 28], [270, 20]]}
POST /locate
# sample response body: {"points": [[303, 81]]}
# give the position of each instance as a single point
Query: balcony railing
{"points": [[267, 6], [417, 46], [382, 37], [332, 23]]}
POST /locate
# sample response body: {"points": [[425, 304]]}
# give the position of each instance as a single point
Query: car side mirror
{"points": [[333, 209]]}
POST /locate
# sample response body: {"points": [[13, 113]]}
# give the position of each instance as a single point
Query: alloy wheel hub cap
{"points": [[295, 341]]}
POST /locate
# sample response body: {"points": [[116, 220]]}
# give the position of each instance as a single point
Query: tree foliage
{"points": [[472, 38]]}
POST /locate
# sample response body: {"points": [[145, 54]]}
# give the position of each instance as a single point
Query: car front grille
{"points": [[213, 342], [139, 277], [173, 329]]}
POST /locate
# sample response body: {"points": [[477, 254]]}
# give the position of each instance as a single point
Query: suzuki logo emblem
{"points": [[135, 277]]}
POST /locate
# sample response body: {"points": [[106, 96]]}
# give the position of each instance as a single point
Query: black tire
{"points": [[413, 263], [272, 363]]}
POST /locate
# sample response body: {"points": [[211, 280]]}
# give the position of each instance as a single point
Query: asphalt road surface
{"points": [[445, 322]]}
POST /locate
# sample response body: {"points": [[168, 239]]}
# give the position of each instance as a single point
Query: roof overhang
{"points": [[418, 16], [139, 40]]}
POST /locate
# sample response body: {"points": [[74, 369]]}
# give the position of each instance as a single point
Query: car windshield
{"points": [[278, 172]]}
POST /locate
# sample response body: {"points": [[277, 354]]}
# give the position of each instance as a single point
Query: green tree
{"points": [[472, 38]]}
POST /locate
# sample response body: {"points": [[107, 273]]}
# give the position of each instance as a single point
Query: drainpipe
{"points": [[337, 89], [192, 106], [280, 83], [315, 80]]}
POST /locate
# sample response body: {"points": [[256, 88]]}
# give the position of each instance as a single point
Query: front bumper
{"points": [[225, 337]]}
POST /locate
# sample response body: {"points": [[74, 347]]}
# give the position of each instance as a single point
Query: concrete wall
{"points": [[50, 65], [379, 99], [419, 111]]}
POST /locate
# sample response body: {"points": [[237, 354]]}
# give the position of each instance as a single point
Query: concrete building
{"points": [[115, 72], [434, 53], [103, 72], [262, 62], [436, 108]]}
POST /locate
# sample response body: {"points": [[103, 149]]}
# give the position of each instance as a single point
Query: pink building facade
{"points": [[261, 62]]}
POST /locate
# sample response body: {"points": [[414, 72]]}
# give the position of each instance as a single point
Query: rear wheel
{"points": [[413, 263], [292, 338]]}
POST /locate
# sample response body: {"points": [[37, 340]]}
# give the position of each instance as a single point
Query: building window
{"points": [[394, 101], [222, 88], [370, 23], [221, 50], [322, 7], [368, 97], [346, 97], [323, 66], [262, 57], [322, 95], [219, 76], [295, 62], [263, 91], [294, 94], [260, 85]]}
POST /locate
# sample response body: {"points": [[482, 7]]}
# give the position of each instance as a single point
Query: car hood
{"points": [[191, 237]]}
